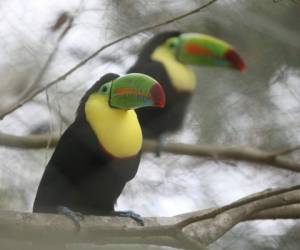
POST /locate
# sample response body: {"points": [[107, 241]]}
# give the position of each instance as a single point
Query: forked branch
{"points": [[191, 231]]}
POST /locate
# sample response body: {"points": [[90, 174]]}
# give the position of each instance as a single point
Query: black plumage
{"points": [[156, 122], [80, 174]]}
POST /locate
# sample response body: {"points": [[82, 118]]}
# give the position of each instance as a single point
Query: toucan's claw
{"points": [[76, 217], [129, 214]]}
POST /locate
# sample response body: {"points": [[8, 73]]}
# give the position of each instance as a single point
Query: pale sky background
{"points": [[171, 184]]}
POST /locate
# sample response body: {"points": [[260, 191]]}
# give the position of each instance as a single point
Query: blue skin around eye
{"points": [[222, 63], [146, 102], [149, 102]]}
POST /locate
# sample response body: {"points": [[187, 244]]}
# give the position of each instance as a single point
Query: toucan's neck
{"points": [[182, 77], [118, 131]]}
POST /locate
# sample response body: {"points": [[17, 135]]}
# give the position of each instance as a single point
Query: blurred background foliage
{"points": [[259, 108]]}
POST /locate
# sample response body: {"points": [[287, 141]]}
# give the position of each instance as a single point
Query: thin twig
{"points": [[50, 58], [83, 62]]}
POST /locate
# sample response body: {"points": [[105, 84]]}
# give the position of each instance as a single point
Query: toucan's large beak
{"points": [[199, 49], [136, 90]]}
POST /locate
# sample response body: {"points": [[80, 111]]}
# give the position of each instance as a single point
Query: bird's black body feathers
{"points": [[81, 175], [155, 122]]}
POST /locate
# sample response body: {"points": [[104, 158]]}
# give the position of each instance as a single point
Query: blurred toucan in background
{"points": [[100, 151], [166, 58]]}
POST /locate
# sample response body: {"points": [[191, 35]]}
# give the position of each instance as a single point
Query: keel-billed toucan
{"points": [[100, 151], [166, 58]]}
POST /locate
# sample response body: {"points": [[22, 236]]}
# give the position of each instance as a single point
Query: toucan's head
{"points": [[130, 91], [133, 91], [195, 49]]}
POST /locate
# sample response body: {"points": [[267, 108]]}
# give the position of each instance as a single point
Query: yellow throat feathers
{"points": [[182, 77], [118, 131]]}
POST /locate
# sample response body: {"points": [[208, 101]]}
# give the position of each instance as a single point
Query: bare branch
{"points": [[203, 227], [236, 153], [269, 193], [209, 230], [93, 55], [212, 225], [28, 142], [284, 151], [245, 154], [282, 212], [98, 230]]}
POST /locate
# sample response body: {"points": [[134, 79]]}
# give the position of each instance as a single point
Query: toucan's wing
{"points": [[69, 165], [76, 149]]}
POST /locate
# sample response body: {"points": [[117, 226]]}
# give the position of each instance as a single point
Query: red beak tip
{"points": [[244, 69], [236, 60], [158, 95], [161, 105]]}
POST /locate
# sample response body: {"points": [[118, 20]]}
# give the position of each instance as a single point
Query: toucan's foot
{"points": [[76, 217], [129, 214], [161, 144]]}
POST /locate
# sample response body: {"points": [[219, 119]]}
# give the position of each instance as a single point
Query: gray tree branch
{"points": [[236, 153], [245, 154], [28, 142], [191, 231], [282, 212], [208, 230]]}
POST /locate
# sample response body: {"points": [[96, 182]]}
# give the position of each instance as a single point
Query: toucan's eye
{"points": [[172, 45], [104, 89]]}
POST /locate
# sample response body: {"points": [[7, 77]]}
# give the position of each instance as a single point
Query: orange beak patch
{"points": [[129, 91], [197, 50]]}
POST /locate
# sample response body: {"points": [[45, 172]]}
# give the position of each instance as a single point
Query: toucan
{"points": [[100, 151], [166, 58]]}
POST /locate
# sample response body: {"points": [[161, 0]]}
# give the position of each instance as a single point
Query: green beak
{"points": [[136, 90], [200, 49]]}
